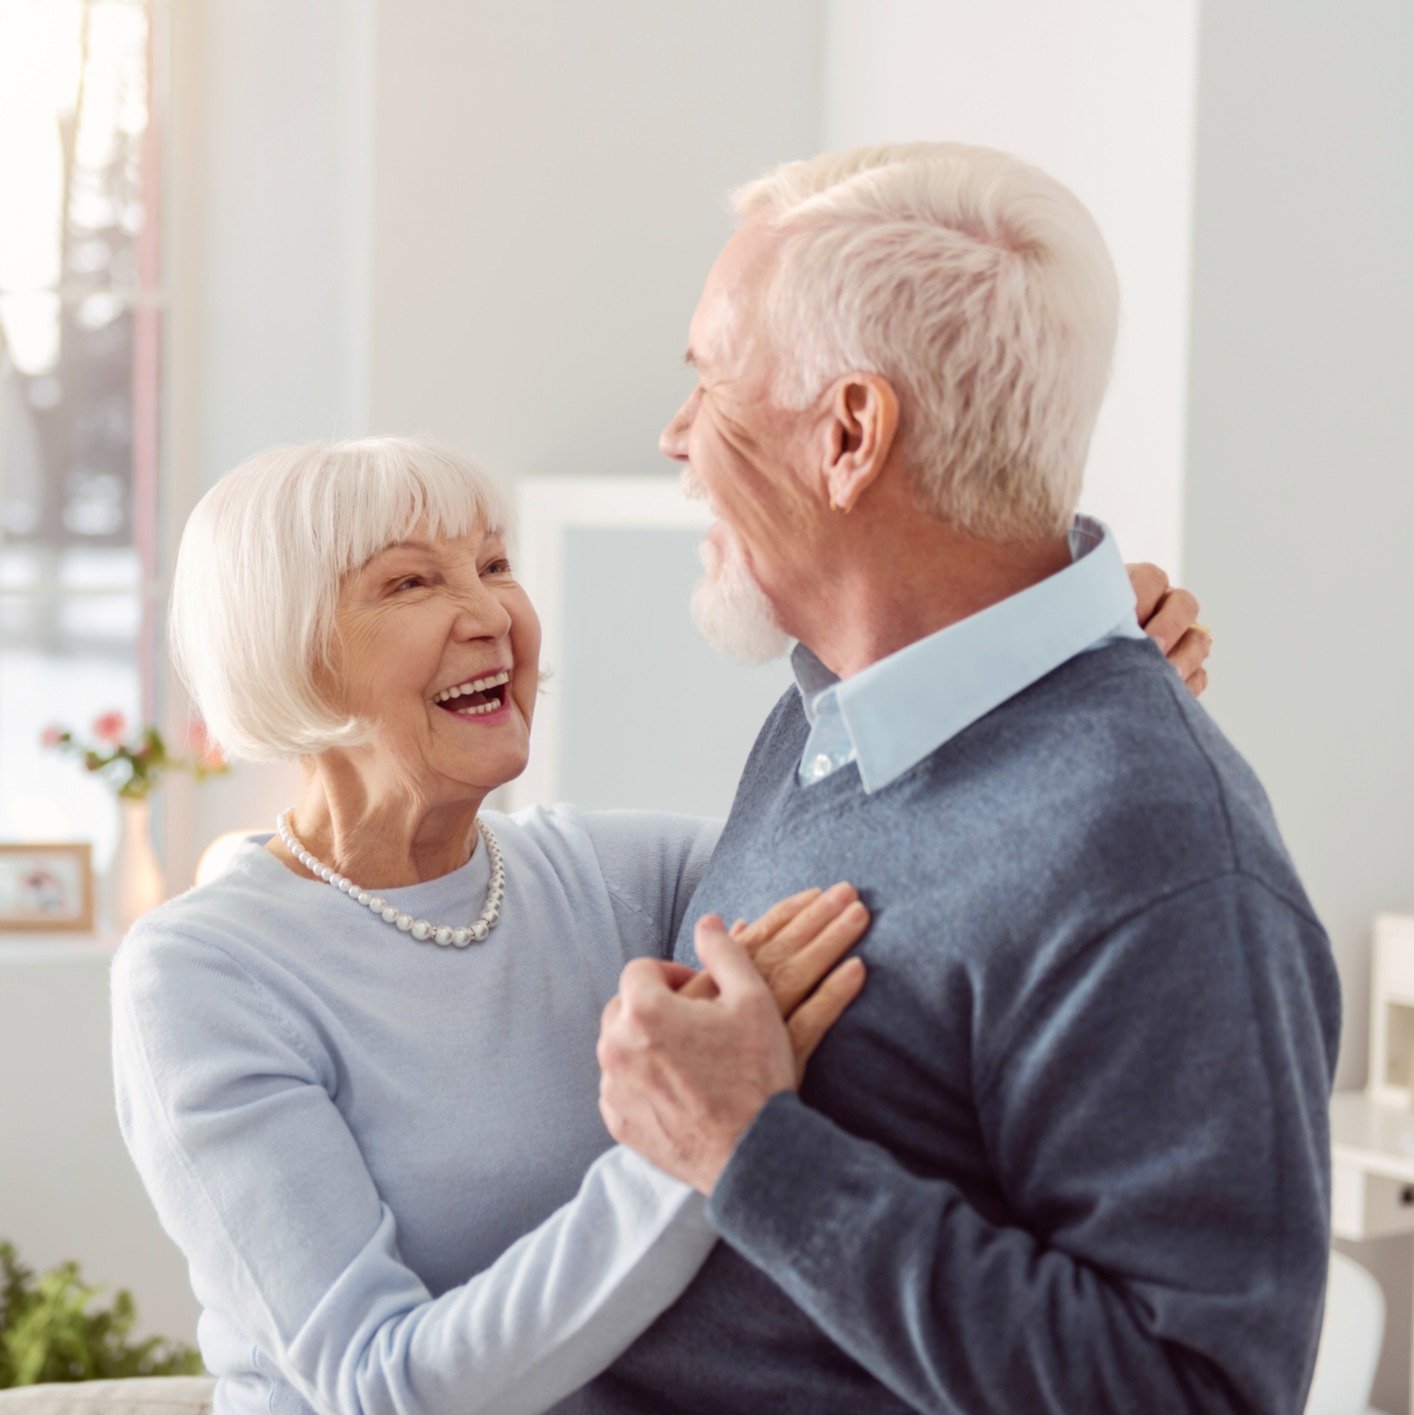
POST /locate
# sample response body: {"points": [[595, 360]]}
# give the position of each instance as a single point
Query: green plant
{"points": [[48, 1332]]}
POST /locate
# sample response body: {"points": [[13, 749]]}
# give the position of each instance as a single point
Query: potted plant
{"points": [[49, 1331]]}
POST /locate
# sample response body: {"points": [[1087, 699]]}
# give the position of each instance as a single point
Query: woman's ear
{"points": [[863, 425]]}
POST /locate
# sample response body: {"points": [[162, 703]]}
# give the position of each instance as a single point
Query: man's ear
{"points": [[863, 425]]}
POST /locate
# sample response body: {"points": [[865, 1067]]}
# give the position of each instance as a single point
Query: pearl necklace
{"points": [[420, 929]]}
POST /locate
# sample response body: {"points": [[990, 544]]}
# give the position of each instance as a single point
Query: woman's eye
{"points": [[499, 567], [408, 582]]}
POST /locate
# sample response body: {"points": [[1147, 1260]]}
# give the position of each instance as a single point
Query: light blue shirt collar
{"points": [[894, 713]]}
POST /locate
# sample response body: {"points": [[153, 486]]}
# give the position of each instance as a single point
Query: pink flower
{"points": [[51, 736], [110, 728]]}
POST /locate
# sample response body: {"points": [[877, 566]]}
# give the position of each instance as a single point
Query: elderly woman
{"points": [[356, 1072]]}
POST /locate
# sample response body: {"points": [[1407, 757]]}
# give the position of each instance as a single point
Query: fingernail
{"points": [[837, 893]]}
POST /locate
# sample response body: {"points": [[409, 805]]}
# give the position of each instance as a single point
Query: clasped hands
{"points": [[688, 1059]]}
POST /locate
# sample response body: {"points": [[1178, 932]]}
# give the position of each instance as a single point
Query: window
{"points": [[81, 308]]}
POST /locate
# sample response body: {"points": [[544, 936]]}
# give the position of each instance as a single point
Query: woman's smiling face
{"points": [[421, 619]]}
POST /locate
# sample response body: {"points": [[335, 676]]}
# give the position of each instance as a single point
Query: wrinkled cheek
{"points": [[525, 650]]}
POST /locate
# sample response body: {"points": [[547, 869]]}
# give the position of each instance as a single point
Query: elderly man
{"points": [[1068, 1151]]}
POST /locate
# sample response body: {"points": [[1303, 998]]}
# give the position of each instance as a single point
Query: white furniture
{"points": [[157, 1395], [1392, 1009], [1372, 1170], [1351, 1334], [1372, 1131]]}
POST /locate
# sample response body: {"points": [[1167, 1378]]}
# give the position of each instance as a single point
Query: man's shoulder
{"points": [[1108, 772]]}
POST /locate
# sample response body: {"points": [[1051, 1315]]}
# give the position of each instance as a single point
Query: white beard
{"points": [[731, 609], [728, 606]]}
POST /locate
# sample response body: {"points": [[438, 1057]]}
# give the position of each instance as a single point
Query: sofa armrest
{"points": [[142, 1395]]}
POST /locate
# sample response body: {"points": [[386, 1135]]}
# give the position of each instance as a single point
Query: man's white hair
{"points": [[979, 287], [260, 564]]}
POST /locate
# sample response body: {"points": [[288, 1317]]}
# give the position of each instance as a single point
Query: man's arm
{"points": [[1156, 1117]]}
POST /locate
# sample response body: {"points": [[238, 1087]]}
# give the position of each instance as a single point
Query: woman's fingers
{"points": [[1191, 651], [795, 926], [1175, 616], [793, 978], [754, 935], [812, 1019], [805, 925]]}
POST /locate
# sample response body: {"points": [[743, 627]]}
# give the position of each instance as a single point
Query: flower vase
{"points": [[133, 884]]}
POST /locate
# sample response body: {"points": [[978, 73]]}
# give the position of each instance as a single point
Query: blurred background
{"points": [[231, 223]]}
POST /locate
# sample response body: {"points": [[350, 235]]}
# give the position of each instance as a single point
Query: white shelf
{"points": [[46, 948]]}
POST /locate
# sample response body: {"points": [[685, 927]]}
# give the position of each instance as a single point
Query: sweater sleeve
{"points": [[653, 862], [256, 1176], [1156, 1115]]}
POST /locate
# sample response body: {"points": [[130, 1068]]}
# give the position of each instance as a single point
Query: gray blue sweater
{"points": [[1069, 1149]]}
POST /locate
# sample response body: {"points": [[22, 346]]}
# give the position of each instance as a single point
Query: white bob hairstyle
{"points": [[260, 564], [979, 287]]}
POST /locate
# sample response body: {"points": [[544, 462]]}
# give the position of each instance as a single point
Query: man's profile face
{"points": [[741, 451]]}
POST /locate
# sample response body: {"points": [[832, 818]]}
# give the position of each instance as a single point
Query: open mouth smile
{"points": [[477, 697]]}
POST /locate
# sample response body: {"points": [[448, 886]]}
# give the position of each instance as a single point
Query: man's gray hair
{"points": [[979, 287], [260, 564]]}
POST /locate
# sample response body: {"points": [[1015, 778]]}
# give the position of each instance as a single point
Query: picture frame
{"points": [[46, 887]]}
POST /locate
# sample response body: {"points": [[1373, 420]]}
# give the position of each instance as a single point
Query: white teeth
{"points": [[477, 685], [476, 709]]}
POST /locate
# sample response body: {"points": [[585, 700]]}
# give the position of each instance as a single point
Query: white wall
{"points": [[272, 257], [1100, 94], [1300, 501], [551, 185]]}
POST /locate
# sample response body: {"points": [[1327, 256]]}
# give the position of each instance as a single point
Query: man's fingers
{"points": [[644, 986], [727, 961], [610, 1012], [1177, 614], [1190, 653], [701, 988], [1150, 585], [677, 975], [1197, 684], [796, 977], [810, 1021]]}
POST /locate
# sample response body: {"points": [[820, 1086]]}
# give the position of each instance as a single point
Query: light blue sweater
{"points": [[373, 1151]]}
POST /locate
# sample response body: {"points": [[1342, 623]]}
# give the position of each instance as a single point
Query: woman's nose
{"points": [[482, 616]]}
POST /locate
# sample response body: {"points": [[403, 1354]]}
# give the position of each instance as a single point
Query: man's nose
{"points": [[672, 441]]}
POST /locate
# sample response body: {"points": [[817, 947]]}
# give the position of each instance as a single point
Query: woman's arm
{"points": [[229, 1117], [652, 862], [258, 1179]]}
